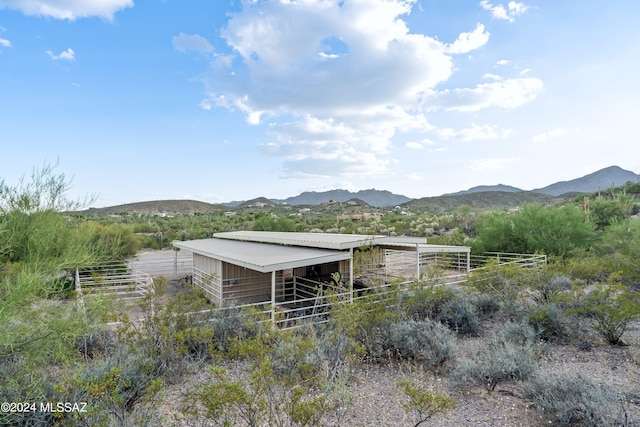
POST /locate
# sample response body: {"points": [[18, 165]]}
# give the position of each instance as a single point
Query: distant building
{"points": [[359, 217]]}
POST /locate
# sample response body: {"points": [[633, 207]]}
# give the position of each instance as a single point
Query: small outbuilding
{"points": [[289, 272]]}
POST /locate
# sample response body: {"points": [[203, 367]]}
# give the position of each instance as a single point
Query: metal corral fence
{"points": [[131, 279], [113, 278], [313, 300], [299, 301], [172, 264]]}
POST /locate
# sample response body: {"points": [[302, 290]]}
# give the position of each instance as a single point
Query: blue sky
{"points": [[229, 100]]}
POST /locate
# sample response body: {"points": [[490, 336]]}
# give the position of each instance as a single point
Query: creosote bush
{"points": [[424, 404], [286, 381], [611, 308]]}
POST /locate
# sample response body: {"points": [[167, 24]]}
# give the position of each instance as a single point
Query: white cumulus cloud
{"points": [[338, 80], [68, 55], [508, 13], [185, 43], [466, 42], [503, 94], [68, 9], [5, 43], [556, 133], [474, 133]]}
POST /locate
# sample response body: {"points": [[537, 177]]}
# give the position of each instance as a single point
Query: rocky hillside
{"points": [[157, 207]]}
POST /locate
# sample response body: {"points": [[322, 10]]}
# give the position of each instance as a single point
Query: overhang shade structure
{"points": [[260, 257], [288, 268]]}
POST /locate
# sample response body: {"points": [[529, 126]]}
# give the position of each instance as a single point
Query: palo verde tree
{"points": [[550, 230], [39, 250]]}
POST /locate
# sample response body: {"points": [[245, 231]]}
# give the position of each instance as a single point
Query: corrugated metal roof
{"points": [[259, 256], [315, 240], [336, 241]]}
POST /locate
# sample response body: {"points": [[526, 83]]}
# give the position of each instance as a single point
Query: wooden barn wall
{"points": [[243, 285]]}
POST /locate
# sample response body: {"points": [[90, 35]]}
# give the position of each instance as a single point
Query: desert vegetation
{"points": [[503, 333]]}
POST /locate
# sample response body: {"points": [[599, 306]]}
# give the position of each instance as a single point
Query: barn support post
{"points": [[273, 298], [175, 262], [417, 261], [350, 274]]}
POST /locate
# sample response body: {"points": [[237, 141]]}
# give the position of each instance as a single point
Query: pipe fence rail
{"points": [[298, 301]]}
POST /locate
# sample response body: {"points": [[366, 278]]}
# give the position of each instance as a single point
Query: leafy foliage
{"points": [[424, 403], [611, 309], [534, 229]]}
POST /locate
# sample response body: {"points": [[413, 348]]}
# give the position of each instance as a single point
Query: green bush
{"points": [[116, 390], [571, 399], [550, 323], [535, 229], [424, 404], [611, 308], [426, 341]]}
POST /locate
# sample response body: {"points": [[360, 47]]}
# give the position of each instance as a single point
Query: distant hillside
{"points": [[157, 207], [259, 201], [377, 198], [603, 179], [485, 188], [481, 200]]}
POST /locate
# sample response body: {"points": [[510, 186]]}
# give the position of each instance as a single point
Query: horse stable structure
{"points": [[288, 275]]}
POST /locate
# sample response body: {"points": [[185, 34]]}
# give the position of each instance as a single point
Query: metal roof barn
{"points": [[264, 258], [287, 272]]}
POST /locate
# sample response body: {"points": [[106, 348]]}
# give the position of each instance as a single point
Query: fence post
{"points": [[273, 298]]}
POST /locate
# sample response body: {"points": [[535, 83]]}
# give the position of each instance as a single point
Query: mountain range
{"points": [[613, 176], [480, 196], [372, 197]]}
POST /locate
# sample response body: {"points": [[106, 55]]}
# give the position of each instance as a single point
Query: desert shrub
{"points": [[508, 356], [550, 323], [364, 323], [113, 388], [446, 304], [486, 305], [504, 283], [534, 229], [571, 398], [518, 333], [427, 341], [588, 267], [460, 315], [611, 308], [550, 290], [425, 302], [285, 383], [424, 404], [96, 344], [229, 324], [19, 384]]}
